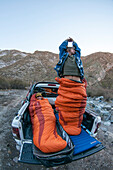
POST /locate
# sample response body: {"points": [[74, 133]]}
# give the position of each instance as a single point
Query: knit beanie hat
{"points": [[38, 95]]}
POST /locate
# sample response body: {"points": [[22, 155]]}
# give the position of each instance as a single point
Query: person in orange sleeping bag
{"points": [[71, 99], [71, 103], [43, 120]]}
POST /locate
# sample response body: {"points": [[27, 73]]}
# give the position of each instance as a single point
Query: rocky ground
{"points": [[10, 102]]}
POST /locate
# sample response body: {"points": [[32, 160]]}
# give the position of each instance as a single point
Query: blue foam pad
{"points": [[83, 142]]}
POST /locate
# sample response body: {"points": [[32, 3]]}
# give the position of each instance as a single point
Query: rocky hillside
{"points": [[9, 57], [98, 66], [39, 66], [28, 67], [99, 74]]}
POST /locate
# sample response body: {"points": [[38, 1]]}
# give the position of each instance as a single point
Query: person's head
{"points": [[38, 96], [71, 50]]}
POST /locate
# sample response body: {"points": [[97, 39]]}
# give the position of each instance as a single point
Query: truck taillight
{"points": [[51, 84], [16, 132], [98, 125]]}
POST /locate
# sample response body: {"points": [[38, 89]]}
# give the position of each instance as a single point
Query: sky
{"points": [[30, 25]]}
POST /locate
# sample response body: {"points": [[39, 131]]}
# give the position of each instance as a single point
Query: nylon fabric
{"points": [[71, 103], [63, 56], [43, 120]]}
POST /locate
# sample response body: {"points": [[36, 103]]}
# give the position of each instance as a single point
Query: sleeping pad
{"points": [[43, 120], [71, 103]]}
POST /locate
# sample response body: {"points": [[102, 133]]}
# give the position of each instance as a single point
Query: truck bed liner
{"points": [[85, 145]]}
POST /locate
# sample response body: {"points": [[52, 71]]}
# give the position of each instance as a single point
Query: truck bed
{"points": [[85, 143]]}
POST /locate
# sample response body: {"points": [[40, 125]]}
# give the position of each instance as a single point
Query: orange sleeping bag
{"points": [[71, 103], [43, 120]]}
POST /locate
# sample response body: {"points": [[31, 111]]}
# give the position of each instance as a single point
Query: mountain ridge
{"points": [[39, 66]]}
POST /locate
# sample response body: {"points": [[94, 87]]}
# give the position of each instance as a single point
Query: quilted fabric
{"points": [[43, 120], [71, 103]]}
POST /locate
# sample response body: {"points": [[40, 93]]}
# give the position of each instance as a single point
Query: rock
{"points": [[91, 103], [103, 129], [97, 110], [8, 145], [104, 112], [15, 159], [107, 123], [105, 115], [111, 119], [4, 149], [99, 98], [87, 105], [110, 135], [107, 107], [8, 164], [101, 105]]}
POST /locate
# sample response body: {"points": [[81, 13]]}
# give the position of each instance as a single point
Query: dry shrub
{"points": [[8, 83], [4, 83], [99, 91], [17, 84]]}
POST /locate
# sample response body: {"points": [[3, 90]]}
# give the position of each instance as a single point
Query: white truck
{"points": [[79, 146]]}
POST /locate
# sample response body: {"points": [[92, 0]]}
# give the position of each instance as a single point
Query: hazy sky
{"points": [[30, 25]]}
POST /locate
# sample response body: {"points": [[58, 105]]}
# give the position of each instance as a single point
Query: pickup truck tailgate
{"points": [[85, 145], [26, 154]]}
